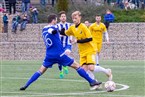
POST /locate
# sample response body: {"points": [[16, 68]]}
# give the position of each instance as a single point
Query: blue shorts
{"points": [[63, 60]]}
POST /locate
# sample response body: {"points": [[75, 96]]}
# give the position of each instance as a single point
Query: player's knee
{"points": [[42, 69], [91, 67], [75, 65], [85, 67]]}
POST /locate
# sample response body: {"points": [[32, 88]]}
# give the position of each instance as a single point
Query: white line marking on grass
{"points": [[83, 95], [124, 87], [71, 80], [130, 66]]}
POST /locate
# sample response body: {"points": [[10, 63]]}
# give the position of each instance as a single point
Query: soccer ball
{"points": [[110, 86]]}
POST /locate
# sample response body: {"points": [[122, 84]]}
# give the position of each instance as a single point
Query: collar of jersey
{"points": [[77, 25]]}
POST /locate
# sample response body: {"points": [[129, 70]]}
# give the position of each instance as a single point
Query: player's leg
{"points": [[67, 52], [83, 61], [98, 68], [66, 61], [97, 59], [94, 68], [83, 73], [91, 66], [34, 77], [99, 46], [61, 75], [91, 75], [65, 68], [108, 72]]}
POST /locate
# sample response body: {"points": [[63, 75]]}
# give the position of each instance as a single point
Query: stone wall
{"points": [[127, 43]]}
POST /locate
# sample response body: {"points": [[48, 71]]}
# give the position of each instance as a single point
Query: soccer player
{"points": [[55, 54], [66, 40], [97, 30], [84, 39], [87, 51], [87, 23]]}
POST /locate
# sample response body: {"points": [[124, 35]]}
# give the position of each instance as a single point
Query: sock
{"points": [[65, 67], [97, 59], [83, 74], [60, 67], [91, 75], [35, 76], [100, 69]]}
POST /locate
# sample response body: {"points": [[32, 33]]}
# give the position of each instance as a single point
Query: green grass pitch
{"points": [[14, 74]]}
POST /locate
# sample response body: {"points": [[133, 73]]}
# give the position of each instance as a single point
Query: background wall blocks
{"points": [[127, 43]]}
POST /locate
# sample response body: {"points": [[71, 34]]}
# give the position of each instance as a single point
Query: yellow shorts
{"points": [[98, 46], [89, 58]]}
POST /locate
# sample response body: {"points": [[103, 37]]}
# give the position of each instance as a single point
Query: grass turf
{"points": [[14, 74]]}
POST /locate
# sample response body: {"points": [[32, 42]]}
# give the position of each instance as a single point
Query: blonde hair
{"points": [[76, 13]]}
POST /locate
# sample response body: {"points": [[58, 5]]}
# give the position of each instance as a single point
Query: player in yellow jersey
{"points": [[84, 39], [87, 51], [87, 23], [97, 30]]}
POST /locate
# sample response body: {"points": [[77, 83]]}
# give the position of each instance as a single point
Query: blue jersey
{"points": [[65, 39], [54, 49], [52, 41]]}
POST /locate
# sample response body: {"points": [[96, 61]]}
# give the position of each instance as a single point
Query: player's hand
{"points": [[54, 31], [62, 31]]}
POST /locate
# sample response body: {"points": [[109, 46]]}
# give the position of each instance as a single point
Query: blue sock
{"points": [[83, 74], [35, 76], [60, 67]]}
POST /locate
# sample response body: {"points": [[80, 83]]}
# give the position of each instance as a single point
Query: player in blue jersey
{"points": [[66, 41], [55, 53]]}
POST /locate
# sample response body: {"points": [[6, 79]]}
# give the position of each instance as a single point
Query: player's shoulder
{"points": [[93, 24], [82, 24], [50, 26], [102, 24], [45, 28], [68, 23], [58, 24], [72, 26]]}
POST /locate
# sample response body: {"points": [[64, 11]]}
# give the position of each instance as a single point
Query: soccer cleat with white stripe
{"points": [[95, 85]]}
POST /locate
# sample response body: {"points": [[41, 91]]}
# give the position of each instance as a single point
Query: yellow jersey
{"points": [[97, 31], [82, 32]]}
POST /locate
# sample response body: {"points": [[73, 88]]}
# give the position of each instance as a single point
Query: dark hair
{"points": [[61, 12], [98, 14], [51, 17]]}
